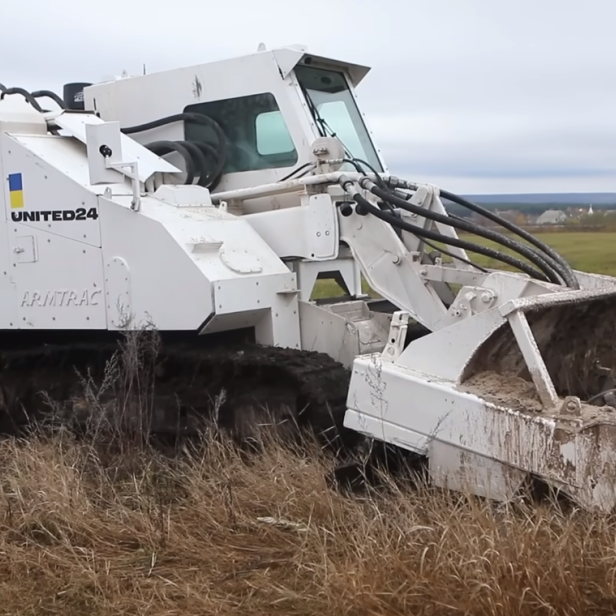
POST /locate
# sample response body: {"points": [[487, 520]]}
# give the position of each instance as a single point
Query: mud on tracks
{"points": [[177, 387]]}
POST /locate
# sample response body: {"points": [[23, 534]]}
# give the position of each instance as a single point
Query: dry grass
{"points": [[86, 533], [92, 528]]}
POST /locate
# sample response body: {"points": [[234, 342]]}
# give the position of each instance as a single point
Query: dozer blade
{"points": [[522, 391]]}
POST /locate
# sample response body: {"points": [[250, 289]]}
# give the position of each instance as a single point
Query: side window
{"points": [[272, 135], [256, 133]]}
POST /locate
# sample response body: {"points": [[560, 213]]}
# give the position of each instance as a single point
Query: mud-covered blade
{"points": [[574, 333], [571, 338]]}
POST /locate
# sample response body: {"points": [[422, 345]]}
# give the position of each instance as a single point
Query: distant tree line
{"points": [[533, 209]]}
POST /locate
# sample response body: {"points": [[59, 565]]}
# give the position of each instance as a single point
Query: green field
{"points": [[586, 251]]}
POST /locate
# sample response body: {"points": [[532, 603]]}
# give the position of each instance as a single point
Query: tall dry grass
{"points": [[207, 532], [88, 527]]}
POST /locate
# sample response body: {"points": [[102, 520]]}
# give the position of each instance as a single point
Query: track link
{"points": [[176, 388]]}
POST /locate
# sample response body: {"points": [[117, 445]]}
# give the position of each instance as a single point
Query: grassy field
{"points": [[90, 530], [588, 252], [89, 533]]}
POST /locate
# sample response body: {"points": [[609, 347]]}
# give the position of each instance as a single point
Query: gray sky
{"points": [[472, 95]]}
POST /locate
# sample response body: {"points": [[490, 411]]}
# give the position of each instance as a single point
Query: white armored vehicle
{"points": [[210, 201]]}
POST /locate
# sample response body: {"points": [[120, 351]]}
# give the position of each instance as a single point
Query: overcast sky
{"points": [[472, 95]]}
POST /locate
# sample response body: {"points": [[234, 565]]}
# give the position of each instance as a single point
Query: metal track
{"points": [[176, 388]]}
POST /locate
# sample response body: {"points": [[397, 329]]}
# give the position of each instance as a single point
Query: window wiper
{"points": [[323, 126], [314, 111]]}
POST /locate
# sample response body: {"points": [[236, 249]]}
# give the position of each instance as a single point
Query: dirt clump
{"points": [[506, 390]]}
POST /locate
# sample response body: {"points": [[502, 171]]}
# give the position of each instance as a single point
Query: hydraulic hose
{"points": [[567, 271], [160, 148], [27, 95], [529, 237], [49, 94], [197, 151], [505, 223], [306, 168], [563, 272], [551, 270], [32, 96], [347, 185], [450, 254], [203, 160], [395, 212], [356, 162]]}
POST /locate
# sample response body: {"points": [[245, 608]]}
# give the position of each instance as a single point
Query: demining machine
{"points": [[242, 210]]}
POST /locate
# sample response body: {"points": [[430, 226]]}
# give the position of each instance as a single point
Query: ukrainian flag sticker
{"points": [[16, 191]]}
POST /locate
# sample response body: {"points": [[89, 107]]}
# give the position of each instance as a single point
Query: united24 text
{"points": [[56, 215]]}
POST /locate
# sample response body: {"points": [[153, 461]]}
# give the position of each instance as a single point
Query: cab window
{"points": [[257, 135]]}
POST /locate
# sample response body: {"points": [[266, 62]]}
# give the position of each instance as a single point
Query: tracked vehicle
{"points": [[210, 201]]}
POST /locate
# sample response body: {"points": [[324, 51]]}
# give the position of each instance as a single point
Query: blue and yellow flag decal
{"points": [[16, 191]]}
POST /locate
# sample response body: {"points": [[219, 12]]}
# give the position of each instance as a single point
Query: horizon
{"points": [[504, 194], [545, 193]]}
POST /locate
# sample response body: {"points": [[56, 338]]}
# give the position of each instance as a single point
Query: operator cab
{"points": [[270, 106], [258, 136]]}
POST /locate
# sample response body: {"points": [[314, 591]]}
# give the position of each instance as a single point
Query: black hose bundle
{"points": [[27, 95], [549, 265], [542, 246], [49, 94], [204, 162]]}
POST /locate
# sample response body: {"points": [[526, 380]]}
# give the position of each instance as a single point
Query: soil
{"points": [[572, 339], [520, 395], [504, 389]]}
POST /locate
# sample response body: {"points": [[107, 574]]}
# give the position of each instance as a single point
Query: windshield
{"points": [[336, 113]]}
